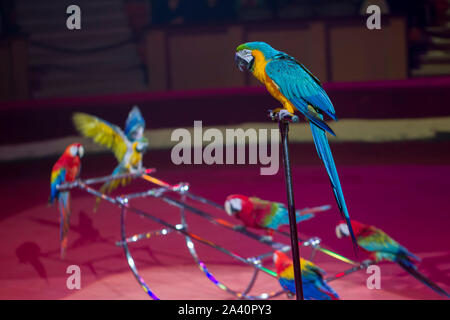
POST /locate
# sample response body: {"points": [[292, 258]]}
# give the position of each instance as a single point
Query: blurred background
{"points": [[152, 45], [175, 60], [167, 54]]}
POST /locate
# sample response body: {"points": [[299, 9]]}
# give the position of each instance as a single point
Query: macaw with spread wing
{"points": [[128, 145], [288, 81], [381, 247], [313, 284], [66, 169], [262, 214]]}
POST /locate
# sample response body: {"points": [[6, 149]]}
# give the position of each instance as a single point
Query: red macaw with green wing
{"points": [[381, 246], [66, 169]]}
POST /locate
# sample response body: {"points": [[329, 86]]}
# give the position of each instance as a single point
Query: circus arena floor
{"points": [[401, 188]]}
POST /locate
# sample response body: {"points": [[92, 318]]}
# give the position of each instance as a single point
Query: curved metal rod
{"points": [[320, 248], [201, 264], [70, 185], [226, 224], [252, 282], [145, 235], [199, 239], [122, 202], [240, 295], [129, 257], [363, 265]]}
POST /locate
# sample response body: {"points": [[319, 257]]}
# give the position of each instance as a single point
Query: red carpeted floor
{"points": [[402, 188]]}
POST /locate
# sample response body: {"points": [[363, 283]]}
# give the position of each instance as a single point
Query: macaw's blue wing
{"points": [[306, 93], [318, 290], [58, 177], [134, 121], [312, 290], [314, 287], [301, 88]]}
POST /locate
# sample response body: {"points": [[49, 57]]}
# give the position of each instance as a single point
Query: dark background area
{"points": [[140, 45]]}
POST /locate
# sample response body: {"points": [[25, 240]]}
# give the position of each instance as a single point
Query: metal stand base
{"points": [[177, 195]]}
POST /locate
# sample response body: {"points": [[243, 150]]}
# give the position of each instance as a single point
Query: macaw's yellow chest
{"points": [[287, 273], [259, 66], [259, 71], [135, 158]]}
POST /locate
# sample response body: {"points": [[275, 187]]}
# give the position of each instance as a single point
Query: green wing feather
{"points": [[376, 240]]}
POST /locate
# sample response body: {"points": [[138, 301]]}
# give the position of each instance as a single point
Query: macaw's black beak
{"points": [[234, 210], [244, 60], [230, 210]]}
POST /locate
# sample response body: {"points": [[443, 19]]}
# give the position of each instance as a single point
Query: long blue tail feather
{"points": [[282, 218], [324, 151], [319, 123]]}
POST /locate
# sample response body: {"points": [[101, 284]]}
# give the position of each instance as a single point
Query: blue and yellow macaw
{"points": [[128, 145], [288, 81], [380, 246], [313, 284]]}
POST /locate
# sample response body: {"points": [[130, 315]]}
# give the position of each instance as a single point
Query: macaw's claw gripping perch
{"points": [[283, 115]]}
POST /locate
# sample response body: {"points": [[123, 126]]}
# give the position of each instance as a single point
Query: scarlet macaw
{"points": [[262, 214], [380, 247], [66, 169], [128, 145], [288, 81], [314, 287]]}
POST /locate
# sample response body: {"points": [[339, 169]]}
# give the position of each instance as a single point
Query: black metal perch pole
{"points": [[284, 118]]}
